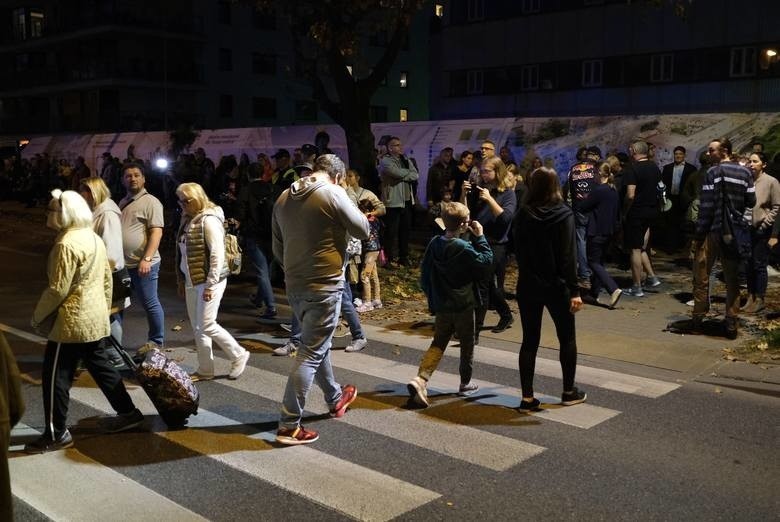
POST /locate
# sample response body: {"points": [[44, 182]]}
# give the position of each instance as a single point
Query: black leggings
{"points": [[490, 293], [531, 310]]}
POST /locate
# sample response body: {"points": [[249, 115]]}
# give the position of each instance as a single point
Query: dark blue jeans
{"points": [[597, 245], [265, 293], [145, 291], [757, 277]]}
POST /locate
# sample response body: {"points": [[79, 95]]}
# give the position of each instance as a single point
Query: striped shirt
{"points": [[733, 181]]}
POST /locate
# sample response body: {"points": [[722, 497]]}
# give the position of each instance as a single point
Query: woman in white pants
{"points": [[202, 273]]}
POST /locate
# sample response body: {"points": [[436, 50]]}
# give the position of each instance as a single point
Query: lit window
{"points": [[349, 69], [592, 73], [404, 76], [438, 10], [404, 115], [36, 24], [743, 62], [661, 68]]}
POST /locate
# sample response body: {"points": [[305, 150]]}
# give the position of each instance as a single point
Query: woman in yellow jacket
{"points": [[77, 299]]}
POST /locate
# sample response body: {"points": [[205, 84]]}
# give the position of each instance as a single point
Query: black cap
{"points": [[281, 153], [595, 151], [308, 150]]}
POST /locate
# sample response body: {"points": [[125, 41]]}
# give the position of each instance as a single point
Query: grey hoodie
{"points": [[311, 222]]}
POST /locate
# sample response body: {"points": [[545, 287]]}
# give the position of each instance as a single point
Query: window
{"points": [[404, 77], [349, 69], [305, 110], [225, 60], [592, 73], [438, 10], [474, 82], [225, 106], [662, 68], [263, 63], [20, 24], [403, 114], [743, 62], [263, 108], [264, 20], [378, 114], [475, 10], [529, 78], [224, 14], [530, 6], [36, 24]]}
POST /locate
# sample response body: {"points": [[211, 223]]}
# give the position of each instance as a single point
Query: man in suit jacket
{"points": [[674, 176]]}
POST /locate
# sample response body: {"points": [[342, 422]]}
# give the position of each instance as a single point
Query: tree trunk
{"points": [[360, 145]]}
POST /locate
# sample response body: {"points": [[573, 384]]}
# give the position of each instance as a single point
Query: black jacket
{"points": [[668, 172], [545, 250], [603, 206]]}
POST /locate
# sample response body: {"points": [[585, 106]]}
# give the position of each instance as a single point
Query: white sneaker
{"points": [[365, 307], [357, 302], [357, 345], [288, 349], [376, 303], [418, 391], [237, 367], [615, 297]]}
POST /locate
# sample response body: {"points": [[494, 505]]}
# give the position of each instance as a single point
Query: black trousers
{"points": [[398, 223], [490, 293], [59, 367], [531, 310]]}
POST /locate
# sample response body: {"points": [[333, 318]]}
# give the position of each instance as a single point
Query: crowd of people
{"points": [[311, 225]]}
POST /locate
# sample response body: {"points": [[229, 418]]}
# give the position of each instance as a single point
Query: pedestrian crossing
{"points": [[311, 472]]}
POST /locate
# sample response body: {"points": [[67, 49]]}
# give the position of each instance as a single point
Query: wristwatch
{"points": [[148, 259]]}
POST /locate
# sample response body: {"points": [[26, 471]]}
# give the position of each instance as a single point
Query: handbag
{"points": [[122, 284]]}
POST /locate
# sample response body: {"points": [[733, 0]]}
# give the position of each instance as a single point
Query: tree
{"points": [[328, 35]]}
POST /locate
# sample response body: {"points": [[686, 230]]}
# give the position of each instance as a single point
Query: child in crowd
{"points": [[434, 212], [371, 246], [449, 267]]}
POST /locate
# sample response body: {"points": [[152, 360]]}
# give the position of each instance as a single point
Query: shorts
{"points": [[635, 229]]}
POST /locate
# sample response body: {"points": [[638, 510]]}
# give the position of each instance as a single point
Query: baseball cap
{"points": [[281, 153], [308, 150], [303, 166]]}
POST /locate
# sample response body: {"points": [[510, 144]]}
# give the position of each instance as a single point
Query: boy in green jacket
{"points": [[449, 268]]}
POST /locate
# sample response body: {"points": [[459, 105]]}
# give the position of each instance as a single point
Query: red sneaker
{"points": [[295, 436], [348, 396]]}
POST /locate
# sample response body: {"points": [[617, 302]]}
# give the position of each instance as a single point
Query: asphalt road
{"points": [[647, 445]]}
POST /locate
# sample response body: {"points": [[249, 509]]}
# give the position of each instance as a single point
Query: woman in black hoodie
{"points": [[547, 277]]}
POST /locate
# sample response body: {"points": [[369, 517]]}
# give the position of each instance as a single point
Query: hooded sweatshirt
{"points": [[106, 222], [449, 268], [545, 250], [311, 223]]}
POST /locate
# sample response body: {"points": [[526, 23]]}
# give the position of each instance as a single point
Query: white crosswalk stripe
{"points": [[68, 485], [307, 471]]}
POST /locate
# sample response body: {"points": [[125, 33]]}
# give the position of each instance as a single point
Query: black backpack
{"points": [[261, 208]]}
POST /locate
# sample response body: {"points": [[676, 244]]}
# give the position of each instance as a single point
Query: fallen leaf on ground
{"points": [[176, 328]]}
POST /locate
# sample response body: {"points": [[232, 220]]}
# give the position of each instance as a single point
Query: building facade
{"points": [[495, 58], [138, 65]]}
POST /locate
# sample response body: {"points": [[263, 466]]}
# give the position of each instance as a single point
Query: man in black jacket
{"points": [[255, 208], [674, 176]]}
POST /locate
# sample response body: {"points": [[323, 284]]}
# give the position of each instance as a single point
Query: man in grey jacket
{"points": [[397, 174], [311, 223]]}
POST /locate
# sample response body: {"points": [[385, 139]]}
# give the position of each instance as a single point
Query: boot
{"points": [[758, 305], [749, 305]]}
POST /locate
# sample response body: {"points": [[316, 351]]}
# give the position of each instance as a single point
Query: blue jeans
{"points": [[350, 314], [318, 313], [265, 293], [145, 290], [581, 231], [757, 277]]}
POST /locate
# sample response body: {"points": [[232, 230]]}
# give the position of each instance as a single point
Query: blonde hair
{"points": [[605, 171], [196, 193], [499, 167], [97, 187], [453, 214], [69, 210], [614, 164]]}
